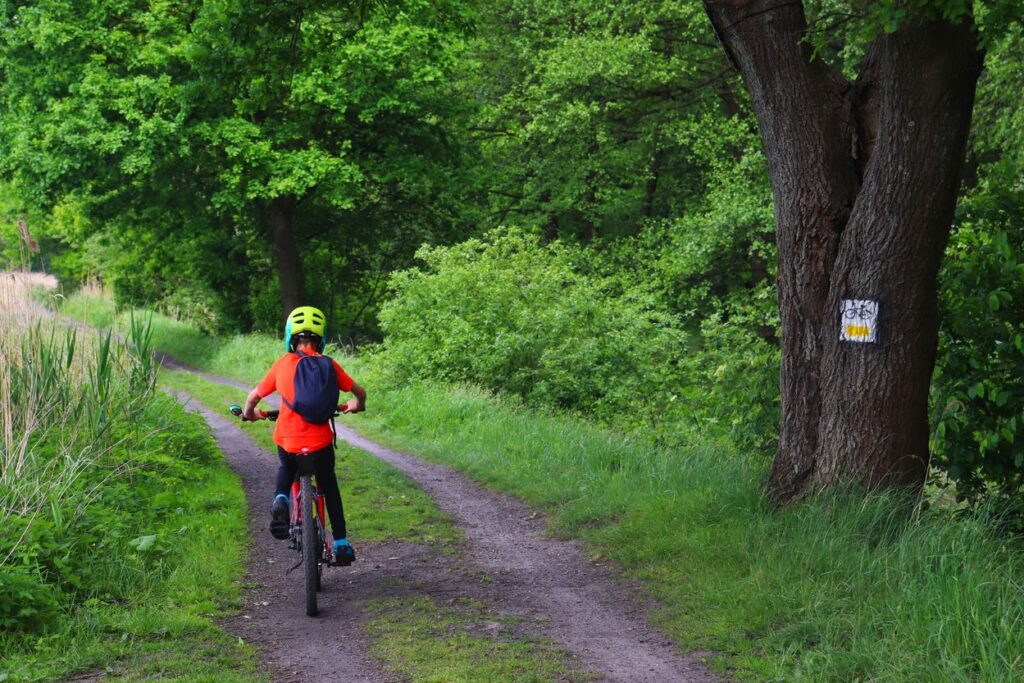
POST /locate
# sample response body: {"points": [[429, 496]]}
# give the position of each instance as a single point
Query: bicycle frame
{"points": [[296, 512]]}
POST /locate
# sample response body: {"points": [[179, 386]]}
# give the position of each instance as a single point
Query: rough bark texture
{"points": [[865, 177], [289, 266]]}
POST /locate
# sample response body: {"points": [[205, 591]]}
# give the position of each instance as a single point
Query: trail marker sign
{"points": [[858, 321]]}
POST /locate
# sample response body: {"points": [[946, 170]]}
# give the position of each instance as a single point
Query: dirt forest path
{"points": [[592, 614]]}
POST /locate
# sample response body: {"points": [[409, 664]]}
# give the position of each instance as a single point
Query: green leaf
{"points": [[143, 543]]}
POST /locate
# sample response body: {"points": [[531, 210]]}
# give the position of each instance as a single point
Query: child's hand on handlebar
{"points": [[253, 415], [352, 406]]}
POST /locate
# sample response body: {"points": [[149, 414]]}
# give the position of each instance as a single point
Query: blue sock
{"points": [[281, 495], [340, 542]]}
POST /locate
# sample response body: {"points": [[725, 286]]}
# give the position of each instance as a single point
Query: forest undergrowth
{"points": [[841, 587]]}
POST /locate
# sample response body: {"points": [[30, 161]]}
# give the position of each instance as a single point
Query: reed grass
{"points": [[98, 471], [59, 393]]}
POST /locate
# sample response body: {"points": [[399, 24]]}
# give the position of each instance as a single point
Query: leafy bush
{"points": [[28, 601], [978, 390], [516, 316], [978, 393], [512, 315], [734, 385]]}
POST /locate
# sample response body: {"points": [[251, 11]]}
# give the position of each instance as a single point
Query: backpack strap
{"points": [[301, 355]]}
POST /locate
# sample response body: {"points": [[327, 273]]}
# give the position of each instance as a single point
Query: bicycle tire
{"points": [[310, 548], [320, 541]]}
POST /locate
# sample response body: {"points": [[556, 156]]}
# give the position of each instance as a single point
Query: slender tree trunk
{"points": [[865, 177], [654, 174], [280, 213]]}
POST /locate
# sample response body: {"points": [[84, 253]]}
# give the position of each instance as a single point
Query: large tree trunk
{"points": [[865, 178], [289, 266]]}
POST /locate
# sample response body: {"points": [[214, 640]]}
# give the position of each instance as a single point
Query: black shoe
{"points": [[279, 518]]}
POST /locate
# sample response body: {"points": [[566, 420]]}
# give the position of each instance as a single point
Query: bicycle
{"points": [[308, 539], [862, 310]]}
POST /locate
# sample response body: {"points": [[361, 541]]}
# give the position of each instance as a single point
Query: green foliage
{"points": [[29, 602], [156, 137], [978, 390], [91, 478], [519, 317], [118, 519], [512, 315], [591, 114], [840, 31]]}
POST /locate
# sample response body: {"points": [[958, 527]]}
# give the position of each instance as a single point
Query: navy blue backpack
{"points": [[316, 389]]}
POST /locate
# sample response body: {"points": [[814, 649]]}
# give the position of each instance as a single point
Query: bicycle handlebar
{"points": [[271, 415]]}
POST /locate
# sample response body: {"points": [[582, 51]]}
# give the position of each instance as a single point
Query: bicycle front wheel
{"points": [[310, 546]]}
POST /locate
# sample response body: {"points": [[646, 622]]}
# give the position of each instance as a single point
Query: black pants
{"points": [[322, 464]]}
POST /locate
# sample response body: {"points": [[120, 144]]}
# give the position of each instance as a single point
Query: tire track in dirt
{"points": [[592, 613]]}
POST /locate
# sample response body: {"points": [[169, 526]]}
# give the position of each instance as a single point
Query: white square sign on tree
{"points": [[858, 320]]}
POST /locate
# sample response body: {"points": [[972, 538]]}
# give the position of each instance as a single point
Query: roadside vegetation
{"points": [[119, 522], [842, 587]]}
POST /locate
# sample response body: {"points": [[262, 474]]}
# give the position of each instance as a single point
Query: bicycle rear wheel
{"points": [[311, 547], [320, 545]]}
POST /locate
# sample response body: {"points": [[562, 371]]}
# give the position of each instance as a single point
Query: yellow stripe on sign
{"points": [[857, 330]]}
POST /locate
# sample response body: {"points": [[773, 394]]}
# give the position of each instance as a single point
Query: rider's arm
{"points": [[346, 383], [249, 411], [357, 404], [265, 388]]}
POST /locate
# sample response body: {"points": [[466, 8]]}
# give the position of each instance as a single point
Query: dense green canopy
{"points": [[178, 150]]}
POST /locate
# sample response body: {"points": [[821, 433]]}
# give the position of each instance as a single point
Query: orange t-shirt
{"points": [[293, 432]]}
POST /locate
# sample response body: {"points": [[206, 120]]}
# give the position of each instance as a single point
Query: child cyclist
{"points": [[297, 437]]}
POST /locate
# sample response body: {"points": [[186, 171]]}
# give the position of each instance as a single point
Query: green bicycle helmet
{"points": [[305, 319]]}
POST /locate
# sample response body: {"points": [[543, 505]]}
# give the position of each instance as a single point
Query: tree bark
{"points": [[654, 174], [280, 213], [865, 177]]}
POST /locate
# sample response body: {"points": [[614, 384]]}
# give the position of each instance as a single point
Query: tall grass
{"points": [[99, 477], [58, 397], [237, 357], [90, 303], [62, 392]]}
